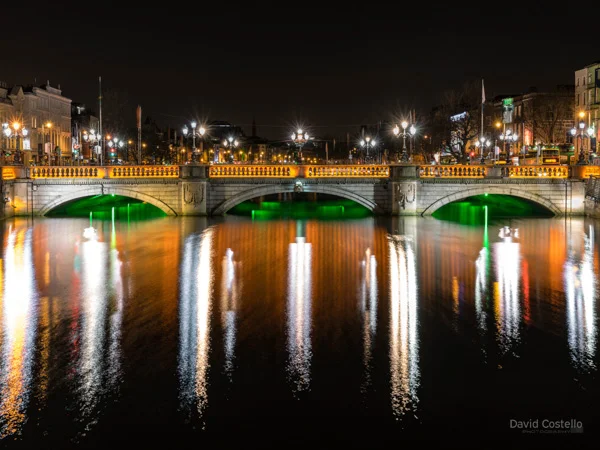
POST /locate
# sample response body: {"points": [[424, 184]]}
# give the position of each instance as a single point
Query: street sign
{"points": [[507, 110]]}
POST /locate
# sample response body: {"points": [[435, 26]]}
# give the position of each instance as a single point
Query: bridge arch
{"points": [[282, 188], [483, 189], [105, 190]]}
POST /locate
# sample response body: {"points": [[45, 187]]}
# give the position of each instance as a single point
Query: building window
{"points": [[589, 78], [583, 95]]}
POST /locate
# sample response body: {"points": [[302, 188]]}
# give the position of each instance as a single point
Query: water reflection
{"points": [[368, 306], [93, 318], [404, 345], [195, 309], [580, 282], [299, 314], [19, 303], [116, 309], [230, 291], [507, 258]]}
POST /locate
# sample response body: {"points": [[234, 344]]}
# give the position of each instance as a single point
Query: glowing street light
{"points": [[200, 133], [368, 143], [510, 137], [14, 130], [300, 138], [411, 132]]}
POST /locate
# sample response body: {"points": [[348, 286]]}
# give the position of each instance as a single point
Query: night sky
{"points": [[328, 68]]}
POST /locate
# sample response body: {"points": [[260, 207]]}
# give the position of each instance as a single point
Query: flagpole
{"points": [[481, 145], [100, 124], [139, 136], [482, 102]]}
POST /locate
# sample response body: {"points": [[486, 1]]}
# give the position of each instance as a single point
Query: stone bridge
{"points": [[213, 190]]}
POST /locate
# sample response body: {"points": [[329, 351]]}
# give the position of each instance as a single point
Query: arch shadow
{"points": [[105, 190], [480, 190], [226, 205]]}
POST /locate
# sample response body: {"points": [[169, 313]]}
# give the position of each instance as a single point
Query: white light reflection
{"points": [[230, 291], [404, 345], [19, 310], [481, 280], [580, 282], [368, 306], [93, 320], [507, 258], [299, 314], [116, 318], [195, 309]]}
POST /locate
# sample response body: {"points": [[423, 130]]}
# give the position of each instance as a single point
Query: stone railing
{"points": [[349, 171], [67, 172], [453, 171], [252, 171], [143, 172], [535, 171]]}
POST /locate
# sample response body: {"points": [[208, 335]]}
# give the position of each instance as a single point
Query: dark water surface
{"points": [[203, 333]]}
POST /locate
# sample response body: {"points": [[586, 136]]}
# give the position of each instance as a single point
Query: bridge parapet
{"points": [[301, 171], [348, 171], [104, 172], [536, 171], [453, 171], [253, 171]]}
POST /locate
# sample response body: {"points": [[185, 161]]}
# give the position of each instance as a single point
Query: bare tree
{"points": [[456, 121], [549, 116]]}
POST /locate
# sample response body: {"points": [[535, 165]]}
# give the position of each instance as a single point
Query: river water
{"points": [[193, 329]]}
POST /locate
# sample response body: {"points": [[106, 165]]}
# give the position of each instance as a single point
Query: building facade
{"points": [[42, 116], [587, 106], [523, 123], [83, 122]]}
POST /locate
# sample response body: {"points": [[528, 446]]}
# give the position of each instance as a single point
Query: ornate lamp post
{"points": [[299, 139], [368, 143], [509, 137], [200, 133], [94, 141], [14, 130], [480, 144], [411, 132], [113, 145], [230, 143], [584, 155]]}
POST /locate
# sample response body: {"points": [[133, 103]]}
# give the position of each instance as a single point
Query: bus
{"points": [[550, 157]]}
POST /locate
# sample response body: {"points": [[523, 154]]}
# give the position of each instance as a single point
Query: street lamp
{"points": [[509, 137], [15, 130], [299, 139], [480, 144], [411, 132], [368, 143], [231, 143], [200, 133], [94, 141], [113, 145], [583, 158]]}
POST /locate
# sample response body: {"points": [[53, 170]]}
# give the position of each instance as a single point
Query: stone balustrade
{"points": [[252, 171], [104, 172], [535, 171], [453, 171], [348, 171], [67, 172], [143, 171]]}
